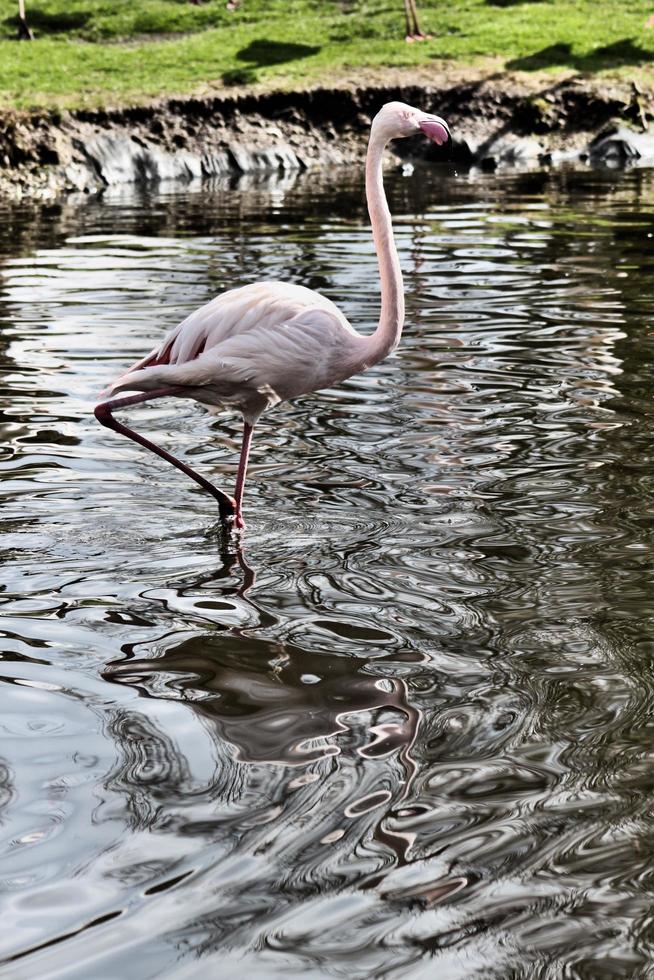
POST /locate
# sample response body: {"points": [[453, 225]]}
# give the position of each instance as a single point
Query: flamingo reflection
{"points": [[273, 701]]}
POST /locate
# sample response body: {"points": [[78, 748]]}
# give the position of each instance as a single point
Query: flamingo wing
{"points": [[231, 314], [254, 367]]}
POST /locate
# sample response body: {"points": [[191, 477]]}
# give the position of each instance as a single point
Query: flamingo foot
{"points": [[226, 504], [229, 511]]}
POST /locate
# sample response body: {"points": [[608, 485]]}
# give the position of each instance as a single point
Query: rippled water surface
{"points": [[405, 729]]}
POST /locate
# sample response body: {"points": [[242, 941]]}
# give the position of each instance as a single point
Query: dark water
{"points": [[407, 730]]}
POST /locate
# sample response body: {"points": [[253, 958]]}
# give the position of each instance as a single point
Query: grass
{"points": [[107, 52]]}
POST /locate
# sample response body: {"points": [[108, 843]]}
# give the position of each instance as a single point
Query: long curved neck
{"points": [[391, 320]]}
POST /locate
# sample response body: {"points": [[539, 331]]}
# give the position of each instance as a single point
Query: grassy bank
{"points": [[99, 52]]}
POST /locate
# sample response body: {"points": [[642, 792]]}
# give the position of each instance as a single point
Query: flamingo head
{"points": [[396, 120]]}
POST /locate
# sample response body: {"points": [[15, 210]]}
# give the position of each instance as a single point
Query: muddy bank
{"points": [[497, 121]]}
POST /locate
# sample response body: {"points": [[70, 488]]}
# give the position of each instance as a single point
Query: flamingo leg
{"points": [[412, 26], [103, 413], [242, 470], [407, 21], [416, 26]]}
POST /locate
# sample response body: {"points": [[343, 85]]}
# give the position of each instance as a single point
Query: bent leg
{"points": [[103, 413]]}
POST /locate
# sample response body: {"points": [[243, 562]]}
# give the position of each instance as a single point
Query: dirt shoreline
{"points": [[497, 120]]}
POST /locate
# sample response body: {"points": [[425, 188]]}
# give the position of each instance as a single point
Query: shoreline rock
{"points": [[495, 123]]}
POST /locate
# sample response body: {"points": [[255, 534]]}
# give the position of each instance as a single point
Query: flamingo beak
{"points": [[436, 129]]}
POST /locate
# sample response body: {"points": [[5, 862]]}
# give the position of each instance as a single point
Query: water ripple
{"points": [[404, 727]]}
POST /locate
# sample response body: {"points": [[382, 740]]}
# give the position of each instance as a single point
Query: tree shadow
{"points": [[624, 52], [260, 54], [51, 23]]}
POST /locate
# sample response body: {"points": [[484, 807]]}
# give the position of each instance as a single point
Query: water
{"points": [[406, 729]]}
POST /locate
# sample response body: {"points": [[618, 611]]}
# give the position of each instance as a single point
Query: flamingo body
{"points": [[258, 345], [251, 348]]}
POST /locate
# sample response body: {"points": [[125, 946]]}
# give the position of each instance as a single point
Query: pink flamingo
{"points": [[261, 344]]}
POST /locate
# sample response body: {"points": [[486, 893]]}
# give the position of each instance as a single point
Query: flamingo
{"points": [[258, 345]]}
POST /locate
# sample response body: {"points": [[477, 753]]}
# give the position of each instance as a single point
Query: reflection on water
{"points": [[279, 704], [406, 730]]}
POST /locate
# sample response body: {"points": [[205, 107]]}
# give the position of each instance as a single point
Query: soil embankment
{"points": [[496, 121]]}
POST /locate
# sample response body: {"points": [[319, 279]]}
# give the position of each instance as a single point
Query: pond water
{"points": [[404, 728]]}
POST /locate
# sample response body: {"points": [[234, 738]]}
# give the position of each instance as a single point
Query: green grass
{"points": [[104, 52]]}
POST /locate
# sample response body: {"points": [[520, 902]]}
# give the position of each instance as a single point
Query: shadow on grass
{"points": [[43, 23], [260, 54], [624, 52]]}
